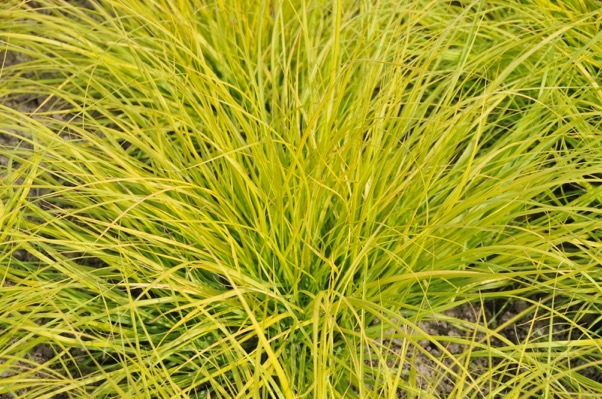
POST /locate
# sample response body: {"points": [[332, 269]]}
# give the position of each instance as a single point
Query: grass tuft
{"points": [[300, 199]]}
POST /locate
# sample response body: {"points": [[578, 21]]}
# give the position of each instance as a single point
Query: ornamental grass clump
{"points": [[294, 198]]}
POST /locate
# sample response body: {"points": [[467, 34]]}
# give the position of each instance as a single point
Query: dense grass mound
{"points": [[279, 198]]}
